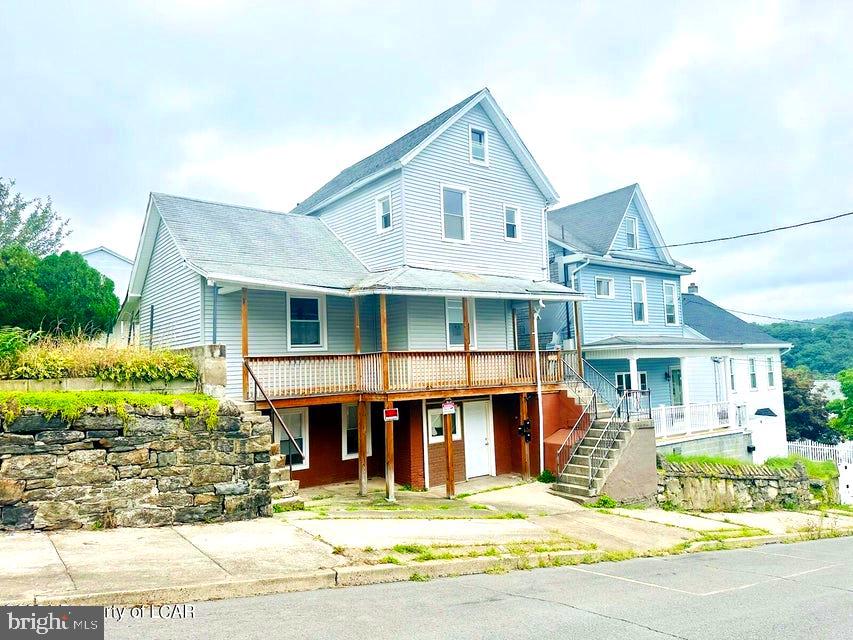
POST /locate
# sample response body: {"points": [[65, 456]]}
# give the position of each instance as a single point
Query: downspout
{"points": [[539, 387]]}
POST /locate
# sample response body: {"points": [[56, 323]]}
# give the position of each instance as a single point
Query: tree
{"points": [[806, 416], [79, 298], [22, 301], [843, 409], [32, 224]]}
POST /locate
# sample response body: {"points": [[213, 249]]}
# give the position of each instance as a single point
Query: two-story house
{"points": [[394, 287], [714, 381]]}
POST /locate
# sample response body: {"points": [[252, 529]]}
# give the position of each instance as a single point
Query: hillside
{"points": [[824, 345]]}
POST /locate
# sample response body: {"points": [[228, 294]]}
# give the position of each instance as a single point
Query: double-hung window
{"points": [[604, 287], [771, 374], [511, 222], [349, 432], [478, 145], [297, 423], [631, 232], [383, 212], [306, 322], [454, 207], [670, 303], [753, 376], [456, 324], [638, 300]]}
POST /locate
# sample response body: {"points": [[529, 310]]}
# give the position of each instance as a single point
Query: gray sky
{"points": [[732, 117]]}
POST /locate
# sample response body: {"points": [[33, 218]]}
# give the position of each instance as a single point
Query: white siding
{"points": [[504, 181], [174, 292]]}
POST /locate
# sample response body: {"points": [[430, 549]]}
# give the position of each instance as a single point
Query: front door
{"points": [[675, 384], [476, 430]]}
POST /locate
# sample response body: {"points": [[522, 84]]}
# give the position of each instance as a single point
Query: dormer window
{"points": [[478, 146], [631, 232]]}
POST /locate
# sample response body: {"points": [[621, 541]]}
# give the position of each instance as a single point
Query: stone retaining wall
{"points": [[155, 467], [714, 487]]}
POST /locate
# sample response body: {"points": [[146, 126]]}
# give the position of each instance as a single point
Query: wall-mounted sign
{"points": [[391, 415], [448, 407]]}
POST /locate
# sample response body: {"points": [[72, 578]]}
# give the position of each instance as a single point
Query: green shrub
{"points": [[547, 476]]}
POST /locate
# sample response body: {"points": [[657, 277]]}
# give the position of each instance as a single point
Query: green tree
{"points": [[79, 298], [22, 300], [805, 413], [32, 224], [843, 409]]}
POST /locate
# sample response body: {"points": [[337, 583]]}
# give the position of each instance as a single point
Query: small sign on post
{"points": [[391, 415], [448, 408]]}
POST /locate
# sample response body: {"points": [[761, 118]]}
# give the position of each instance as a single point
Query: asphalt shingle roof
{"points": [[591, 225], [382, 159], [719, 325]]}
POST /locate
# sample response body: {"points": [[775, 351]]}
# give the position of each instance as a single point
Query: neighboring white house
{"points": [[113, 265]]}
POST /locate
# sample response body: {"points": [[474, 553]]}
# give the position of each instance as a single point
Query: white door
{"points": [[476, 430]]}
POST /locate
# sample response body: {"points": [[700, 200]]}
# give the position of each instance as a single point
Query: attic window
{"points": [[631, 232], [478, 145]]}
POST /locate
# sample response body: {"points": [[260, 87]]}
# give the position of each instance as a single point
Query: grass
{"points": [[823, 470]]}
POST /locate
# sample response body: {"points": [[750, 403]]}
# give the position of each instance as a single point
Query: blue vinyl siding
{"points": [[174, 292], [644, 241], [504, 181]]}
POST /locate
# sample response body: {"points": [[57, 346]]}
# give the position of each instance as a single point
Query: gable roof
{"points": [[403, 149], [717, 324]]}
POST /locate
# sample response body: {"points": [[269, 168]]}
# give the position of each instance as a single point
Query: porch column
{"points": [[389, 457], [244, 335], [362, 447], [449, 483], [578, 338], [466, 338], [525, 445]]}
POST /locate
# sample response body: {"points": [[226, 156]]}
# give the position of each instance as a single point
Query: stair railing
{"points": [[291, 440], [576, 435]]}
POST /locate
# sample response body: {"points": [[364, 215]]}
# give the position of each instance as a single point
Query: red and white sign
{"points": [[392, 415], [448, 407]]}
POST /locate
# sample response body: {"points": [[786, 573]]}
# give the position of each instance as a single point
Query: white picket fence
{"points": [[841, 453]]}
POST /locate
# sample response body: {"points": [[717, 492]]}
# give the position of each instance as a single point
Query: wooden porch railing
{"points": [[327, 374]]}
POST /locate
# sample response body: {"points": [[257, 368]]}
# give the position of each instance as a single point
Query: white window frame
{"points": [[753, 375], [632, 223], [472, 324], [352, 456], [466, 215], [674, 288], [642, 375], [321, 306], [378, 205], [771, 373], [645, 301], [517, 223], [612, 294], [485, 161], [457, 435], [306, 431]]}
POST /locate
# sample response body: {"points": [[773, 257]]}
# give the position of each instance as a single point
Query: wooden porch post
{"points": [[362, 447], [449, 482], [578, 336], [389, 457], [525, 445], [466, 337], [244, 335]]}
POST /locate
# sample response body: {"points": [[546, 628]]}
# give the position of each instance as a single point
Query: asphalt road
{"points": [[790, 591]]}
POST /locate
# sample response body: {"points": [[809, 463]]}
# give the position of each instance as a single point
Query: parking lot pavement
{"points": [[789, 591]]}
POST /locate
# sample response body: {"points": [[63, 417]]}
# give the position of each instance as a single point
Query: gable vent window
{"points": [[511, 223], [478, 146], [454, 204], [631, 232]]}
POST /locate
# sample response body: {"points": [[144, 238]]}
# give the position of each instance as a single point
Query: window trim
{"points": [[466, 215], [353, 456], [674, 288], [321, 307], [636, 232], [472, 324], [640, 374], [456, 437], [306, 432], [612, 294], [645, 301], [485, 161], [771, 373], [377, 203], [517, 222], [753, 375]]}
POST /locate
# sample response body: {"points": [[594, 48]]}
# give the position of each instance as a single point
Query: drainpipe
{"points": [[539, 387]]}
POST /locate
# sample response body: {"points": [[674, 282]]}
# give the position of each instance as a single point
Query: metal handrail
{"points": [[605, 440], [575, 436], [291, 439]]}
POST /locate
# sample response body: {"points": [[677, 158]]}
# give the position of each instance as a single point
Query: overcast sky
{"points": [[732, 118]]}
